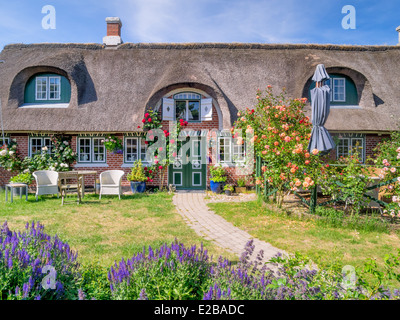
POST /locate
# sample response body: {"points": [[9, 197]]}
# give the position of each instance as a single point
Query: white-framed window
{"points": [[91, 150], [54, 88], [134, 148], [338, 89], [6, 141], [347, 146], [229, 151], [41, 88], [224, 150], [187, 106], [48, 88], [37, 143]]}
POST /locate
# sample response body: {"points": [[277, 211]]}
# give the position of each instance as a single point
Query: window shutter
{"points": [[168, 109], [206, 109]]}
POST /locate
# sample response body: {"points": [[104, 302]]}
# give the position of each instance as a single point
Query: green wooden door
{"points": [[190, 175]]}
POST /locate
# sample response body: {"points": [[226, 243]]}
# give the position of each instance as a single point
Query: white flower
{"points": [[44, 148], [52, 169], [11, 152], [61, 148], [66, 143], [398, 150], [3, 152], [26, 171]]}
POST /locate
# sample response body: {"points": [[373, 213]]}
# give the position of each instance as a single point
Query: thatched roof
{"points": [[111, 88]]}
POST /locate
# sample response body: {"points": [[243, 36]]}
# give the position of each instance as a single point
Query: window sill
{"points": [[91, 165], [344, 107], [129, 165], [44, 106]]}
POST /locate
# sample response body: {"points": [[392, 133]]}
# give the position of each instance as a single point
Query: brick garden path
{"points": [[192, 206]]}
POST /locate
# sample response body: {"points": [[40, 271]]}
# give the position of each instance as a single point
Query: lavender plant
{"points": [[171, 272], [23, 257]]}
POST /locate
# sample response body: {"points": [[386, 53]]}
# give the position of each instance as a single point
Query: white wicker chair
{"points": [[46, 182], [110, 182]]}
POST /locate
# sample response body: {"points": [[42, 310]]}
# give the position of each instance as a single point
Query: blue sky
{"points": [[255, 21]]}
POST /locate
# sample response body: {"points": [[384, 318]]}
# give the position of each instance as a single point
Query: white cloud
{"points": [[213, 21]]}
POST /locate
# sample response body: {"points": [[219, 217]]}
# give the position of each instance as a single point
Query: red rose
{"points": [[186, 123], [150, 171], [146, 115], [151, 180], [144, 120], [149, 119], [145, 168], [160, 167], [146, 142]]}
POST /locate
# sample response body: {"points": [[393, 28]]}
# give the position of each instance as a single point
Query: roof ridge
{"points": [[206, 45]]}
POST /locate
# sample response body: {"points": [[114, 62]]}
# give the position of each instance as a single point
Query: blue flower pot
{"points": [[215, 186], [138, 187]]}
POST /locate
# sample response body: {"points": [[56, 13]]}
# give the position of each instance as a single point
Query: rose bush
{"points": [[281, 135], [388, 156]]}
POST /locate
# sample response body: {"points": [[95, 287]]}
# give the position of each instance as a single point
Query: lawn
{"points": [[109, 229], [321, 243]]}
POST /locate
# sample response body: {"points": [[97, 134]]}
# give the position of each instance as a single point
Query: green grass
{"points": [[321, 242], [107, 230]]}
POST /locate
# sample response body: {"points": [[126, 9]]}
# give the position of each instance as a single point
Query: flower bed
{"points": [[174, 272]]}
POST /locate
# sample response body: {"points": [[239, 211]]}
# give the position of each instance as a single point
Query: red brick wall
{"points": [[371, 141], [115, 161]]}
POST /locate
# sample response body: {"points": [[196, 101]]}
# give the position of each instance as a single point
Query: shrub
{"points": [[218, 174], [22, 178], [281, 136], [171, 272], [23, 258], [137, 173]]}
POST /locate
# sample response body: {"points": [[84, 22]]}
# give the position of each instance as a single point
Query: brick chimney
{"points": [[398, 30], [113, 37]]}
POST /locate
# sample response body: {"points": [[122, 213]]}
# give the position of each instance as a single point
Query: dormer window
{"points": [[188, 106], [47, 90], [343, 91]]}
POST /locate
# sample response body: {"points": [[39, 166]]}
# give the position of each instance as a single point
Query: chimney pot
{"points": [[113, 37]]}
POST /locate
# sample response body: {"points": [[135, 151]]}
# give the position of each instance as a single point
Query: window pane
{"points": [[47, 143], [194, 111], [339, 89], [5, 142], [98, 150], [357, 147], [180, 110], [131, 149], [36, 146], [143, 149], [54, 88], [84, 150], [41, 88], [343, 148]]}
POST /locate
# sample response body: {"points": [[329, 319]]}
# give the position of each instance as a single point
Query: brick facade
{"points": [[116, 161]]}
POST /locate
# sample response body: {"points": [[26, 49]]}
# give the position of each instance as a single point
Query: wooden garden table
{"points": [[82, 174]]}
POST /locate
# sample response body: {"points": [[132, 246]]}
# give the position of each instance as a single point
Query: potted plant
{"points": [[21, 178], [137, 177], [218, 177], [228, 188], [113, 144], [241, 185]]}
